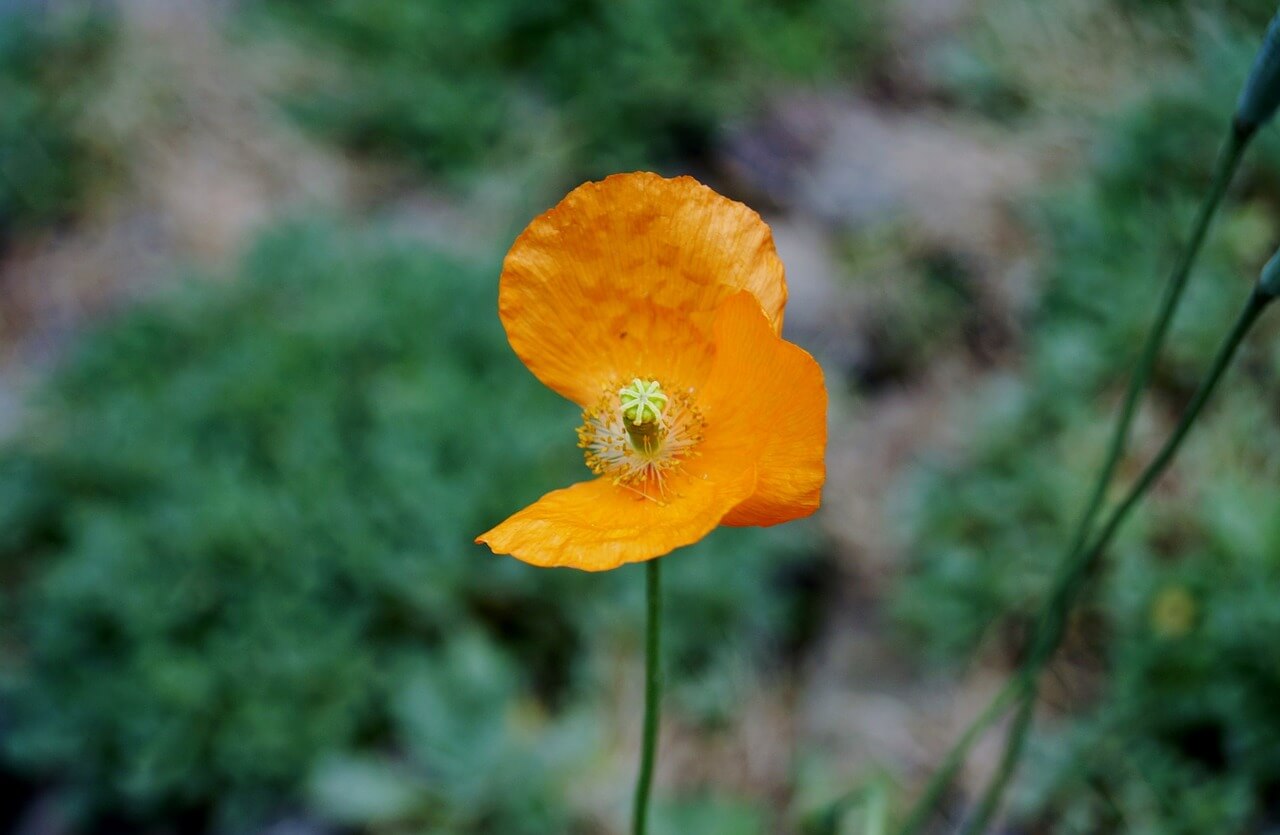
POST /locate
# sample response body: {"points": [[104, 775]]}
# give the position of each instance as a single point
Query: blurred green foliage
{"points": [[47, 63], [1023, 59], [236, 543], [1183, 735], [1253, 14], [622, 84], [480, 755], [919, 302]]}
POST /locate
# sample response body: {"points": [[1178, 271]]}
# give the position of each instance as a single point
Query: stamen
{"points": [[640, 436]]}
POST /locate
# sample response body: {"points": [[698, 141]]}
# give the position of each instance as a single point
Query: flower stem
{"points": [[652, 695], [1083, 563], [1224, 169]]}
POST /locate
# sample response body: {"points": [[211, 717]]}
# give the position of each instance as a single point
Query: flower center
{"points": [[642, 404], [639, 435]]}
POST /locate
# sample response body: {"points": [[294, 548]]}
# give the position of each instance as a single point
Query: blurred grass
{"points": [[48, 162], [450, 88]]}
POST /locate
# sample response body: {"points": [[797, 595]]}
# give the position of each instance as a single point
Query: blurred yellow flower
{"points": [[1173, 612]]}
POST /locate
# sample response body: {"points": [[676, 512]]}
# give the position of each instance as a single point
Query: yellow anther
{"points": [[640, 436]]}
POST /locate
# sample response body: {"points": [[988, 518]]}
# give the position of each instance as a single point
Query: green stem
{"points": [[1224, 169], [652, 695], [1083, 566], [1009, 761], [955, 758], [1256, 303]]}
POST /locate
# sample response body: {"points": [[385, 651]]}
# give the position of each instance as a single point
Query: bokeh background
{"points": [[255, 403]]}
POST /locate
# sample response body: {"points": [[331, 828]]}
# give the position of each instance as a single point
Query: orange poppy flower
{"points": [[656, 305]]}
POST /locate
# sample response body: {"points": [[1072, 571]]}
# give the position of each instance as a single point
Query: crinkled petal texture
{"points": [[623, 278], [760, 461]]}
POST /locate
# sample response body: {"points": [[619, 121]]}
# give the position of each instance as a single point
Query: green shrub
{"points": [[237, 548], [1182, 736], [627, 85], [47, 162]]}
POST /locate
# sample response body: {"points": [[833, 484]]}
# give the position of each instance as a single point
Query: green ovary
{"points": [[643, 402]]}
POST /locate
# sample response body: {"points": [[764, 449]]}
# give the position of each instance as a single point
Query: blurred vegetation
{"points": [[236, 543], [235, 532], [1252, 14], [47, 63], [920, 302], [1021, 60], [448, 86], [1182, 735]]}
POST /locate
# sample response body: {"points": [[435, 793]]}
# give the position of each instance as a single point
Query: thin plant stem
{"points": [[1008, 761], [1083, 567], [652, 695], [1224, 170], [946, 772], [1253, 307]]}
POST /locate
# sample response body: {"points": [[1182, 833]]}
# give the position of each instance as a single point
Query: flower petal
{"points": [[623, 278], [768, 394], [597, 525]]}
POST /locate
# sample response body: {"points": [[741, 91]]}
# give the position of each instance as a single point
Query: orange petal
{"points": [[597, 525], [769, 394], [623, 277]]}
